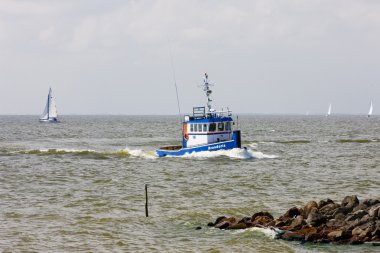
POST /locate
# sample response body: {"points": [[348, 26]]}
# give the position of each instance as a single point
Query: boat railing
{"points": [[200, 113], [219, 114]]}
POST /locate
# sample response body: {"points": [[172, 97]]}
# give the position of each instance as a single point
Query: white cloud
{"points": [[274, 42]]}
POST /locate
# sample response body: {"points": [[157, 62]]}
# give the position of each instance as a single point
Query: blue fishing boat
{"points": [[205, 130]]}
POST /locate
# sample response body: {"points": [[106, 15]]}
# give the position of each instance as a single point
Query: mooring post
{"points": [[146, 200]]}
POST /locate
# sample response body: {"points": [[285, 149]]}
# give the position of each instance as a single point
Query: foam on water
{"points": [[269, 232], [236, 153], [141, 153], [253, 145]]}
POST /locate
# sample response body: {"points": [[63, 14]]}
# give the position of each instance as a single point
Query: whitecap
{"points": [[141, 153], [236, 153]]}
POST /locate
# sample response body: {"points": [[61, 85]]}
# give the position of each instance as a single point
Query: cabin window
{"points": [[228, 126], [220, 126], [199, 127], [204, 127], [195, 127], [191, 127], [212, 127]]}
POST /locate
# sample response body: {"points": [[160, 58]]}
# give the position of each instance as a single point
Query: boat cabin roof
{"points": [[201, 116]]}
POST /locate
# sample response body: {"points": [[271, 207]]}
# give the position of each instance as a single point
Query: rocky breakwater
{"points": [[349, 222]]}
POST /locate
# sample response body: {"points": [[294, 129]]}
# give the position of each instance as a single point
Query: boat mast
{"points": [[206, 87]]}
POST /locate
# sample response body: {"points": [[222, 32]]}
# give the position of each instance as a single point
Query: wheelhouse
{"points": [[205, 128]]}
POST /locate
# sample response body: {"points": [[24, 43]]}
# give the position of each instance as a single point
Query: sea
{"points": [[79, 185]]}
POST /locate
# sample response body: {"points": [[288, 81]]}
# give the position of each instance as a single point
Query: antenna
{"points": [[206, 87], [174, 79]]}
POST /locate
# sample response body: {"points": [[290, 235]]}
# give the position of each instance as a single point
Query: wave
{"points": [[294, 142], [286, 142], [127, 152], [236, 153], [141, 153], [356, 141]]}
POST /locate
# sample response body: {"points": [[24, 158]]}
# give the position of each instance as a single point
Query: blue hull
{"points": [[225, 145], [210, 147]]}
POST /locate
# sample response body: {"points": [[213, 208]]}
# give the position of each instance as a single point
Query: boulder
{"points": [[223, 225], [314, 219], [308, 207], [350, 201], [357, 231], [292, 212], [376, 229], [374, 211], [261, 214], [224, 222], [335, 223], [262, 220], [310, 233], [356, 215], [323, 203], [361, 206], [371, 202], [292, 236], [365, 234], [339, 216], [219, 219], [337, 235], [297, 223], [246, 221], [237, 226], [355, 240], [328, 208], [344, 210]]}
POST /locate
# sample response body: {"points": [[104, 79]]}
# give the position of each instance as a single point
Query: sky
{"points": [[263, 56]]}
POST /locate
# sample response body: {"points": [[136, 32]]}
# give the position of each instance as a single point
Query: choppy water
{"points": [[78, 186]]}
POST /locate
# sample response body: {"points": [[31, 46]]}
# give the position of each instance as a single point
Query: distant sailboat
{"points": [[370, 109], [329, 111], [50, 112]]}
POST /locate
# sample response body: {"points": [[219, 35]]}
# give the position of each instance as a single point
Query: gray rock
{"points": [[223, 225], [308, 207], [361, 206], [374, 211], [371, 202], [350, 201], [328, 208], [255, 215], [334, 223], [219, 219], [298, 222], [344, 210], [314, 219], [357, 231], [323, 203], [356, 215]]}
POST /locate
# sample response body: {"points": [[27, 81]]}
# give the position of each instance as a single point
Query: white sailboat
{"points": [[329, 111], [370, 109], [50, 112]]}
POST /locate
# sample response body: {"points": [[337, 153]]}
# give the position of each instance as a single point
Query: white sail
{"points": [[329, 111], [50, 112], [45, 114], [52, 107], [370, 109]]}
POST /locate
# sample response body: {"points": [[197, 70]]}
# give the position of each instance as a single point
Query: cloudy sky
{"points": [[264, 56]]}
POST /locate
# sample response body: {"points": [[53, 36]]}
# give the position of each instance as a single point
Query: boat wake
{"points": [[127, 152], [236, 153], [141, 153]]}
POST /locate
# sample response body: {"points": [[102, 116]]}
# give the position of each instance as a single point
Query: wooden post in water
{"points": [[146, 200]]}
